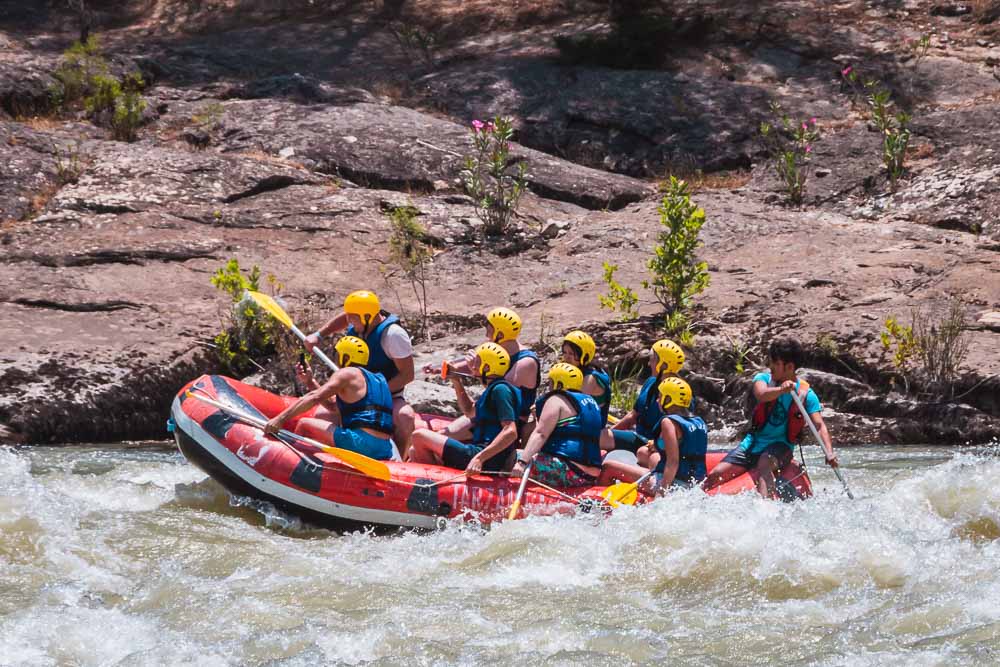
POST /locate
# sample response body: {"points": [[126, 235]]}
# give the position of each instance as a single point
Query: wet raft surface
{"points": [[136, 541]]}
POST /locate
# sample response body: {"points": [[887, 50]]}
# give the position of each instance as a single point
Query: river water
{"points": [[128, 556]]}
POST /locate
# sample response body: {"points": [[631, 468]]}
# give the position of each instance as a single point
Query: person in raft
{"points": [[503, 326], [775, 422], [677, 454], [492, 420], [579, 350], [635, 429], [364, 402], [565, 444], [390, 347]]}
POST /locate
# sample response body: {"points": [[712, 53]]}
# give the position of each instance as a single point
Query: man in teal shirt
{"points": [[776, 422]]}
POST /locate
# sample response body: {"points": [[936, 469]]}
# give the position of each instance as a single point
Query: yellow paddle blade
{"points": [[621, 494], [271, 306], [512, 514], [362, 463]]}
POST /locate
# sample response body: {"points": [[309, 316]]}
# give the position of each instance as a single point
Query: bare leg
{"points": [[616, 471], [460, 429], [766, 467], [317, 429], [607, 440], [426, 446], [722, 473], [403, 422]]}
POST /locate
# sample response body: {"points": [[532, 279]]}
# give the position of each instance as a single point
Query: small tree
{"points": [[893, 126], [409, 251], [677, 275], [494, 184]]}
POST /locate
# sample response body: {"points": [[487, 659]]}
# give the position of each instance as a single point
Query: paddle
{"points": [[624, 494], [819, 441], [359, 462], [520, 490], [278, 313]]}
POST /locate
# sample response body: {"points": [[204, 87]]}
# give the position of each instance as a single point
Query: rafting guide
{"points": [[390, 347], [776, 421]]}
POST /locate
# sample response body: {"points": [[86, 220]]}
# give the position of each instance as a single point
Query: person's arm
{"points": [[336, 382], [336, 324], [672, 452], [546, 423], [465, 403], [766, 394], [626, 423], [405, 375], [824, 435], [506, 437]]}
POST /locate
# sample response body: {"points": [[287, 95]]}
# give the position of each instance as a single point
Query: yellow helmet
{"points": [[364, 304], [675, 392], [670, 356], [584, 344], [493, 356], [506, 324], [566, 377], [351, 351]]}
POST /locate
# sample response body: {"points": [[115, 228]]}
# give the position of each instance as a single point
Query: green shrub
{"points": [[412, 256], [128, 109], [677, 275], [250, 332], [81, 63], [619, 299], [494, 184], [624, 391], [789, 145], [894, 126]]}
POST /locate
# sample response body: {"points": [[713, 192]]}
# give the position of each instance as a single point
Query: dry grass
{"points": [[41, 123], [41, 199], [717, 180], [396, 92], [920, 151], [261, 156]]}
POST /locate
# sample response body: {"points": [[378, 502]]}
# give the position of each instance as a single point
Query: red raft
{"points": [[318, 488]]}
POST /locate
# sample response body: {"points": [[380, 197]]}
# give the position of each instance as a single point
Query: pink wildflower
{"points": [[809, 149], [477, 125], [490, 126], [846, 71], [805, 126], [812, 120]]}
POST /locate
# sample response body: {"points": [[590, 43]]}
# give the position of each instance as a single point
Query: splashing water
{"points": [[124, 556]]}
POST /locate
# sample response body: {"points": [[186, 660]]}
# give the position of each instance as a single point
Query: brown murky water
{"points": [[125, 556]]}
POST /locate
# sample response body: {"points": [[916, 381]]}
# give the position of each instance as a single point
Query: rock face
{"points": [[287, 139]]}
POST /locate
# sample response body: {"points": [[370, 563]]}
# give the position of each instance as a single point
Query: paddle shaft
{"points": [[318, 352], [520, 491], [819, 441], [259, 423]]}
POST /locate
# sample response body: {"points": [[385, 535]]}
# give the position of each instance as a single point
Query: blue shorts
{"points": [[458, 454], [362, 442], [628, 440], [781, 452]]}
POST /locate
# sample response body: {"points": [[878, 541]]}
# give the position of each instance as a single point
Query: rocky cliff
{"points": [[281, 133]]}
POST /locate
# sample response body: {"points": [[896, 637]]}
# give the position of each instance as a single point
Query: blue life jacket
{"points": [[647, 406], [692, 448], [604, 400], [578, 438], [486, 424], [378, 360], [527, 395], [374, 410]]}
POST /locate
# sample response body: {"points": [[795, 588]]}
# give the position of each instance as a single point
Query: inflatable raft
{"points": [[324, 491]]}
